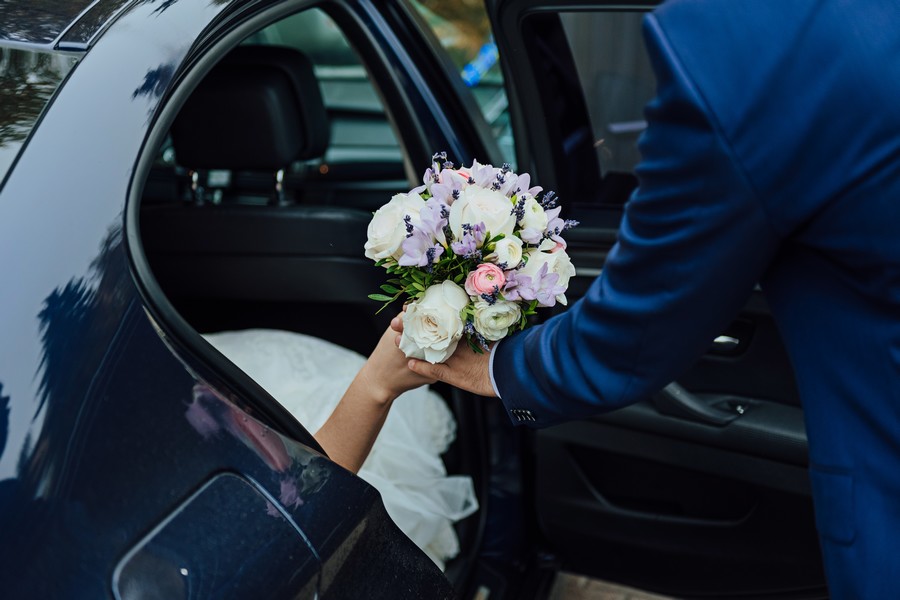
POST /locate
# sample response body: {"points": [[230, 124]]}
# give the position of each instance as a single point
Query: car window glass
{"points": [[464, 31], [616, 79], [360, 128], [27, 82]]}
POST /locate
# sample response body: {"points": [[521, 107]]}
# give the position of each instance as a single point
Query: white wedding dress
{"points": [[309, 375]]}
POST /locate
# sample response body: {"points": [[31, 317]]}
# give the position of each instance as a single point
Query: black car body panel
{"points": [[112, 428]]}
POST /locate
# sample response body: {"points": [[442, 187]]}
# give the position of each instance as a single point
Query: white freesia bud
{"points": [[507, 251], [387, 229], [557, 262], [432, 325], [481, 205], [494, 320], [547, 245]]}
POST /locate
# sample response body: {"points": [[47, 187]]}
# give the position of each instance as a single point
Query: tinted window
{"points": [[464, 30], [27, 82], [360, 128], [617, 81]]}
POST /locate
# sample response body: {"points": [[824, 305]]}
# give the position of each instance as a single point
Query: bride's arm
{"points": [[348, 434]]}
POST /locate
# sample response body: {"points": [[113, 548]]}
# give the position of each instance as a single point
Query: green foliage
{"points": [[409, 283]]}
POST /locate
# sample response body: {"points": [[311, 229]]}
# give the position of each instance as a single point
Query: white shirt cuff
{"points": [[491, 369]]}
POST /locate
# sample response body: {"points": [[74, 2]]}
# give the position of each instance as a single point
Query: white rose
{"points": [[481, 205], [534, 217], [507, 251], [387, 229], [557, 262], [494, 320], [432, 326]]}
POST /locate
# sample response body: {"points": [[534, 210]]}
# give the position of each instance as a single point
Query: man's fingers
{"points": [[426, 369], [465, 370]]}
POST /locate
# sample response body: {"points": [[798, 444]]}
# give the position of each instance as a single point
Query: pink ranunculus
{"points": [[486, 279]]}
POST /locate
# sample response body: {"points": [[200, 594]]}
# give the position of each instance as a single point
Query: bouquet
{"points": [[475, 251]]}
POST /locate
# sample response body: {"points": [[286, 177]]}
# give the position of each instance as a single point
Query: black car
{"points": [[169, 170]]}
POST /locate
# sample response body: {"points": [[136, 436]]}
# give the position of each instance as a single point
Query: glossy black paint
{"points": [[80, 34], [38, 22], [115, 424]]}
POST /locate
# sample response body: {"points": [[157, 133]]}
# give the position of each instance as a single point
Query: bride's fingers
{"points": [[397, 322]]}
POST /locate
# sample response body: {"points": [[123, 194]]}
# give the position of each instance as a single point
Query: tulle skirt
{"points": [[309, 375]]}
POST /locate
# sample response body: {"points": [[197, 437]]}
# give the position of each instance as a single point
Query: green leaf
{"points": [[523, 322], [381, 298], [389, 289], [418, 286]]}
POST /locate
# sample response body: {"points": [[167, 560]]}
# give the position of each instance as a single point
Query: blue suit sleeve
{"points": [[693, 242]]}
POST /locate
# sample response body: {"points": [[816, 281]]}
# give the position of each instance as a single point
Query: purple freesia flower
{"points": [[419, 250], [522, 183], [430, 177], [553, 219], [450, 183], [483, 175], [530, 235], [433, 173], [472, 238], [555, 225], [505, 182], [434, 217], [548, 288], [515, 283], [544, 287]]}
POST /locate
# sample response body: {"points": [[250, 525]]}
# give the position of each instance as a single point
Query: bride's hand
{"points": [[386, 371]]}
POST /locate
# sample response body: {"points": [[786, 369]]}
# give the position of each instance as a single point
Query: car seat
{"points": [[245, 251]]}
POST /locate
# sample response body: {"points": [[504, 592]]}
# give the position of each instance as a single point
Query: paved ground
{"points": [[576, 587]]}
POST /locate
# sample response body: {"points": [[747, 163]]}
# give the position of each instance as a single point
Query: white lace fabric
{"points": [[308, 376]]}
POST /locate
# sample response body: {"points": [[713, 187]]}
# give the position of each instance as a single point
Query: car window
{"points": [[360, 130], [464, 31], [363, 160], [28, 80], [616, 79]]}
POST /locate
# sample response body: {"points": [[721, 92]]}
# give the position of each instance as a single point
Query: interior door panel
{"points": [[701, 490]]}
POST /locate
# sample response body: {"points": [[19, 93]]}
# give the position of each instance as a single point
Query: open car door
{"points": [[701, 491]]}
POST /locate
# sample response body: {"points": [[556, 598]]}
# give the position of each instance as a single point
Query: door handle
{"points": [[674, 400]]}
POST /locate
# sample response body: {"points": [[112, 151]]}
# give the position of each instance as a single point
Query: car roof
{"points": [[56, 24]]}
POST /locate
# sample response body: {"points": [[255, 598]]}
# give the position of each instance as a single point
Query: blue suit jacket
{"points": [[772, 155]]}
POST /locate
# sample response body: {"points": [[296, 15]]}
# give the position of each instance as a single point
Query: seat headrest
{"points": [[260, 108]]}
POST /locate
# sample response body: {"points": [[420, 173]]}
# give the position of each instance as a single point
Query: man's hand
{"points": [[465, 369]]}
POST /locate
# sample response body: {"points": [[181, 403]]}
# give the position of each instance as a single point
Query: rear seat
{"points": [[258, 111]]}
